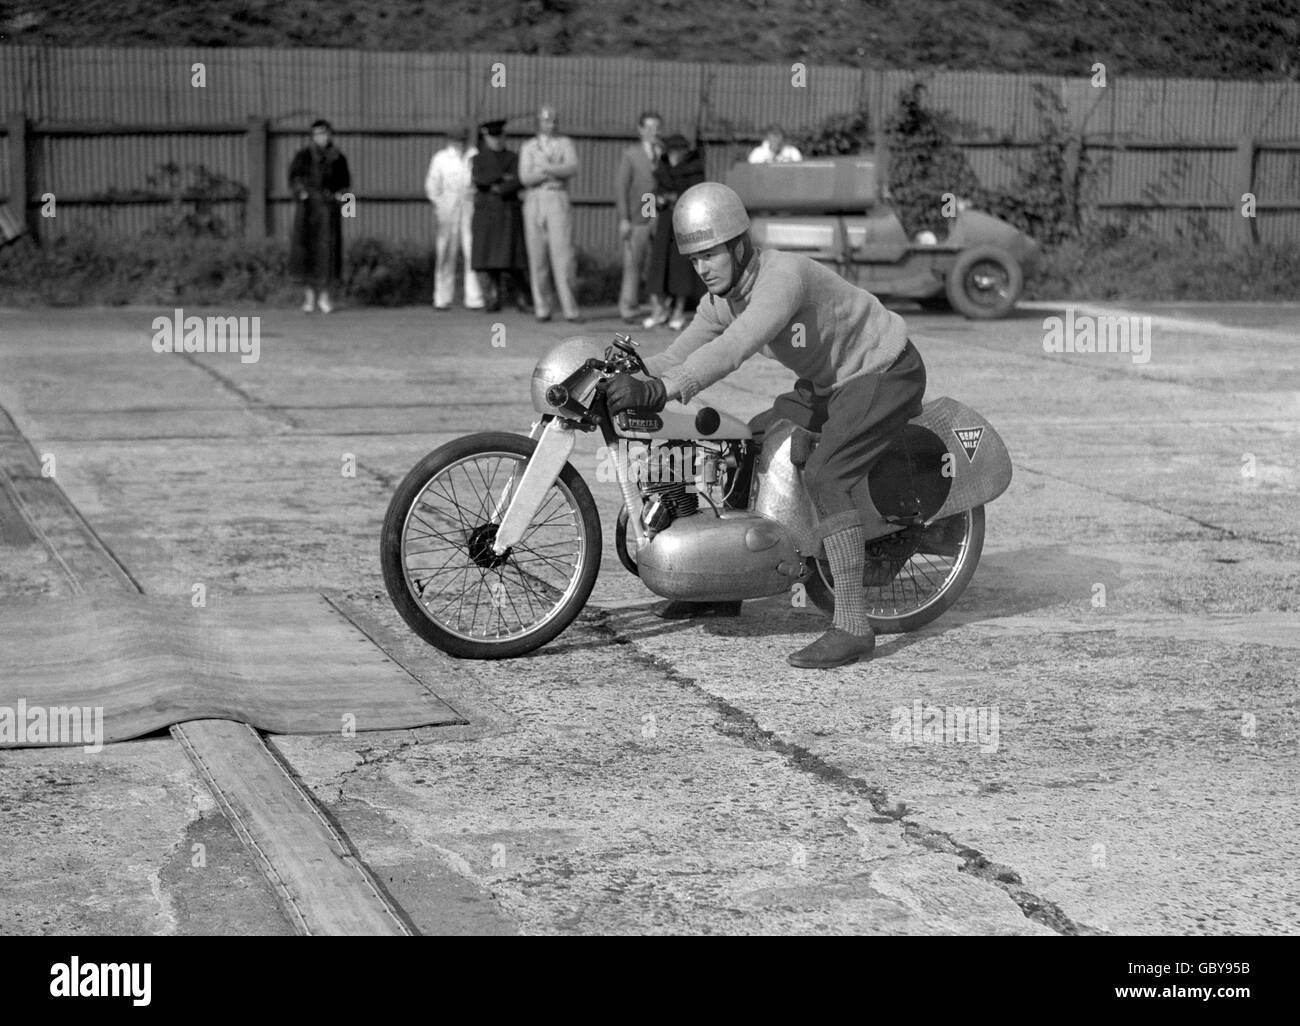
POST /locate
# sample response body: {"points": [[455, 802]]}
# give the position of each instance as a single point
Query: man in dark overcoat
{"points": [[498, 225], [318, 175]]}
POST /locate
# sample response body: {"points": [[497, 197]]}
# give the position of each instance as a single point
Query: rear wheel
{"points": [[438, 563], [914, 576]]}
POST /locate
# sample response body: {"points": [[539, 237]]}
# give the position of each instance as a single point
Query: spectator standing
{"points": [[774, 149], [450, 188], [671, 274], [498, 223], [547, 162], [633, 181], [318, 174]]}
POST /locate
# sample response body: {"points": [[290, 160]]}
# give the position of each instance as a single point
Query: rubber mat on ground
{"points": [[91, 671]]}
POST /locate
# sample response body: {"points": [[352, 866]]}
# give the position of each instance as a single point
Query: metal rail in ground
{"points": [[321, 883]]}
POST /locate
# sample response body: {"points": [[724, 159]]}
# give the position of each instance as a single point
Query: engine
{"points": [[675, 477]]}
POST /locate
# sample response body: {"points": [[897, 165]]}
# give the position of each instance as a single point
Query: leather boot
{"points": [[834, 648]]}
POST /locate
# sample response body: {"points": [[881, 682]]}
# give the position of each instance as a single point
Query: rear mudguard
{"points": [[946, 461], [979, 463]]}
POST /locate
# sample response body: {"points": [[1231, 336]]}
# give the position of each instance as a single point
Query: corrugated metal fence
{"points": [[99, 122]]}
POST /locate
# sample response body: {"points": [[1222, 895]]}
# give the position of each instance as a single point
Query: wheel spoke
{"points": [[447, 554], [925, 576]]}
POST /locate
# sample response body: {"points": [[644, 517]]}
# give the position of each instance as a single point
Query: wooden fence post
{"points": [[879, 108], [1243, 178], [19, 195], [255, 221]]}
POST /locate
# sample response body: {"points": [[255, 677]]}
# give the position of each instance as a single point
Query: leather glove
{"points": [[624, 392]]}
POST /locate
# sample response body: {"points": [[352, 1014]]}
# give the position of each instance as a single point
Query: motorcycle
{"points": [[492, 543]]}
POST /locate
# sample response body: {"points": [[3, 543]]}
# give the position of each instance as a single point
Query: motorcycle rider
{"points": [[859, 381]]}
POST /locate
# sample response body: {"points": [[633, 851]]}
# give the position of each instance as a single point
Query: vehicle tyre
{"points": [[984, 283], [911, 599], [441, 573]]}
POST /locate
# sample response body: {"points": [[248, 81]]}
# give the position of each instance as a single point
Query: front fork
{"points": [[555, 441]]}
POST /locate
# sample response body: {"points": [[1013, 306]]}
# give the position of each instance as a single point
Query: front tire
{"points": [[928, 582], [438, 564]]}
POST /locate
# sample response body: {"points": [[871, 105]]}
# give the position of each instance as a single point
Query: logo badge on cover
{"points": [[970, 440]]}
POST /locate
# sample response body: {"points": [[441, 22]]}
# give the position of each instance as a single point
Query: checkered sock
{"points": [[846, 553]]}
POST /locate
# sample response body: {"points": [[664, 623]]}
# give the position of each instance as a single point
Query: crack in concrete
{"points": [[252, 403], [736, 723], [1160, 509]]}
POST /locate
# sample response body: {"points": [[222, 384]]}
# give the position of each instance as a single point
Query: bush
{"points": [[599, 280], [163, 267], [838, 135], [924, 164], [378, 273], [106, 270], [1110, 264]]}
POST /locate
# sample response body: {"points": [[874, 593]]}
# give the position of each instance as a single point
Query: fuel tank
{"points": [[693, 420], [706, 558]]}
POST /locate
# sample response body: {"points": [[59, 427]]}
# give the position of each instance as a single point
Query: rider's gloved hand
{"points": [[624, 392]]}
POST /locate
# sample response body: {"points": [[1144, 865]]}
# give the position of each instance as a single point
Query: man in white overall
{"points": [[451, 191]]}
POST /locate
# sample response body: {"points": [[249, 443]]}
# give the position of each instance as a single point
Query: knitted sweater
{"points": [[792, 309]]}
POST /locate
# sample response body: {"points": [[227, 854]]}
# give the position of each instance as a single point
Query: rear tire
{"points": [[890, 609]]}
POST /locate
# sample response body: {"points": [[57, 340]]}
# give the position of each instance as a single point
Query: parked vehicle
{"points": [[832, 210]]}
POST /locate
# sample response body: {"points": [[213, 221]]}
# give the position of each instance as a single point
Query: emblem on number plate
{"points": [[645, 422], [970, 440]]}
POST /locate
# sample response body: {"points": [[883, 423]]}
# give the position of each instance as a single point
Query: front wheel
{"points": [[912, 577], [438, 563]]}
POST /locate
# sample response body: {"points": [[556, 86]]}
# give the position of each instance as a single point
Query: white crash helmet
{"points": [[707, 214], [559, 363]]}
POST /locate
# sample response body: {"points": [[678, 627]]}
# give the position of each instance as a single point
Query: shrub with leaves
{"points": [[838, 135], [924, 163], [1047, 198]]}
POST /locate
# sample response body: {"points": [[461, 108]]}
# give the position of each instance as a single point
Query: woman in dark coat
{"points": [[671, 274], [317, 175], [497, 227]]}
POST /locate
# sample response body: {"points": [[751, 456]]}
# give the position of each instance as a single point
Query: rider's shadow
{"points": [[1011, 583]]}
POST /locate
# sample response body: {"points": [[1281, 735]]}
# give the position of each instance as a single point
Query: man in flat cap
{"points": [[547, 163]]}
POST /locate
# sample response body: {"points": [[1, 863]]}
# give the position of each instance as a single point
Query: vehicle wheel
{"points": [[439, 568], [984, 282], [941, 563]]}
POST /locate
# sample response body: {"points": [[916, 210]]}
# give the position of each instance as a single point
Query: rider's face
{"points": [[715, 268]]}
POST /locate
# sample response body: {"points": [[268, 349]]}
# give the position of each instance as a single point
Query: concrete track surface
{"points": [[1134, 624]]}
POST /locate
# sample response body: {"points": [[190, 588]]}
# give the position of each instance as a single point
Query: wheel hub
{"points": [[480, 547]]}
